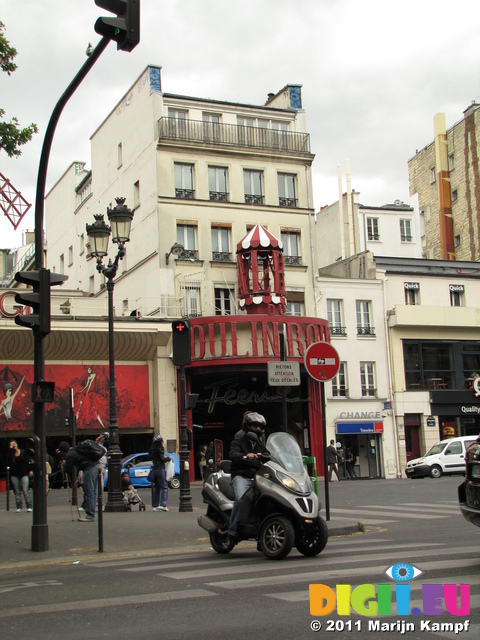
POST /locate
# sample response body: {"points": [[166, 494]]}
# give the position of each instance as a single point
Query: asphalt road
{"points": [[198, 594]]}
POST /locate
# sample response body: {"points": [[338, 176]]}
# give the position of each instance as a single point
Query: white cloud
{"points": [[374, 74]]}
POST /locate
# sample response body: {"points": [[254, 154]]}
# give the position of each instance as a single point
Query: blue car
{"points": [[138, 466]]}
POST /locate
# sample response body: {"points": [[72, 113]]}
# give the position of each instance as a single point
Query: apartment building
{"points": [[351, 228], [199, 175], [406, 330], [444, 175]]}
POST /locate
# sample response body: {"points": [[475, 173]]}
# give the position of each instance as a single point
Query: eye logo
{"points": [[402, 572]]}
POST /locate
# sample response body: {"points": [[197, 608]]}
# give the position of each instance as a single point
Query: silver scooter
{"points": [[279, 511]]}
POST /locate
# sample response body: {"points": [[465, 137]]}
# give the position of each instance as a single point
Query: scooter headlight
{"points": [[288, 482]]}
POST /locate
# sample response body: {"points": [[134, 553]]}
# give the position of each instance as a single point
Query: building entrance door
{"points": [[412, 442]]}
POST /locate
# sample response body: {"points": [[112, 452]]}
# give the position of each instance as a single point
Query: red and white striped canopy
{"points": [[259, 237]]}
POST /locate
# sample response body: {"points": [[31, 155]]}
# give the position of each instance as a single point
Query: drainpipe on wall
{"points": [[390, 382], [443, 186]]}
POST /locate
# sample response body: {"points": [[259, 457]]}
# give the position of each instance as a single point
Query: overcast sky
{"points": [[374, 74]]}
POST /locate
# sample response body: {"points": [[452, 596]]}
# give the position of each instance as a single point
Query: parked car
{"points": [[138, 466], [445, 457], [469, 490]]}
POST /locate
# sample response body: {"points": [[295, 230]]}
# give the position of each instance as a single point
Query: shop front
{"points": [[458, 411], [229, 372], [364, 438]]}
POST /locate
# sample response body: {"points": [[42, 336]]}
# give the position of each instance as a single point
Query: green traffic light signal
{"points": [[125, 28]]}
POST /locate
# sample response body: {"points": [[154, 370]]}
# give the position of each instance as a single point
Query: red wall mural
{"points": [[91, 397]]}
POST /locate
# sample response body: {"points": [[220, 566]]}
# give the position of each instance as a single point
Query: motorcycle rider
{"points": [[245, 461]]}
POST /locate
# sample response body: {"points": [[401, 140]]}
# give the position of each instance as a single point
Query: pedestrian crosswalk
{"points": [[377, 514], [355, 560]]}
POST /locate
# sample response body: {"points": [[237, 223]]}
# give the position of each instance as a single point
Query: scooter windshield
{"points": [[285, 451]]}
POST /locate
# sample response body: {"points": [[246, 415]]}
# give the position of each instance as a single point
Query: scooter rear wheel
{"points": [[314, 539], [276, 538], [221, 544]]}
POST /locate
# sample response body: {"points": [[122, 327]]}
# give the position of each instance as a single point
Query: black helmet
{"points": [[252, 420]]}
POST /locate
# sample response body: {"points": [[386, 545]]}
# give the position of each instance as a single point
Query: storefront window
{"points": [[428, 365]]}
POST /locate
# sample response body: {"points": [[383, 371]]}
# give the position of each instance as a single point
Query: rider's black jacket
{"points": [[239, 449]]}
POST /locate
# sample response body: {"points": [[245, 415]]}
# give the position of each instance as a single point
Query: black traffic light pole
{"points": [[40, 526]]}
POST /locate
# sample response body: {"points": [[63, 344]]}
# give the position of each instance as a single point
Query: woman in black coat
{"points": [[160, 494]]}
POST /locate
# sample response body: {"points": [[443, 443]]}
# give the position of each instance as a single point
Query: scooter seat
{"points": [[225, 486]]}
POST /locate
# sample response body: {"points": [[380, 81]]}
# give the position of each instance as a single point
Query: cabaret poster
{"points": [[91, 395]]}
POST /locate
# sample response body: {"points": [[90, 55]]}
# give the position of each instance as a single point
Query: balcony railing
{"points": [[338, 331], [369, 393], [221, 256], [188, 194], [340, 392], [252, 199], [365, 331], [232, 135], [292, 260], [219, 196], [189, 254], [287, 202]]}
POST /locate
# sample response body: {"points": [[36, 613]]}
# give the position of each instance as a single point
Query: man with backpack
{"points": [[85, 457]]}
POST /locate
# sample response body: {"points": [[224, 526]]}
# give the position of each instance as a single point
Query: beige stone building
{"points": [[445, 175]]}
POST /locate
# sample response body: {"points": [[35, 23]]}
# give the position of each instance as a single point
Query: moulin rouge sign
{"points": [[239, 337]]}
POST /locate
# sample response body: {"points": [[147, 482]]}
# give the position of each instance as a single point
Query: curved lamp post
{"points": [[120, 218]]}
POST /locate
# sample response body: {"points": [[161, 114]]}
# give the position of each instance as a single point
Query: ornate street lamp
{"points": [[120, 218]]}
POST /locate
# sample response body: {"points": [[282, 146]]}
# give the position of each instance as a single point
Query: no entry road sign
{"points": [[322, 361]]}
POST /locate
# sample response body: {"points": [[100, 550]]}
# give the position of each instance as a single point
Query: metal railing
{"points": [[365, 331], [232, 135]]}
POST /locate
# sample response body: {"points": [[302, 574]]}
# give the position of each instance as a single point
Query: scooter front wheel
{"points": [[221, 544], [276, 538], [313, 539]]}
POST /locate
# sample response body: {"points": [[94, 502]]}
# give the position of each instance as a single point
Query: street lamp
{"points": [[120, 218], [177, 249]]}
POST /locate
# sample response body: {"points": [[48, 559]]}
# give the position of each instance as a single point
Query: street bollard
{"points": [[8, 488], [100, 510]]}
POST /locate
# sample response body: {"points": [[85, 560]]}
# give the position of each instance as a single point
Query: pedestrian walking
{"points": [[332, 457], [84, 459], [160, 493], [202, 462], [19, 475], [350, 460]]}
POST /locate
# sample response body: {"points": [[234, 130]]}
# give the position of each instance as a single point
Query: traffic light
{"points": [[33, 450], [125, 28], [39, 299], [182, 352]]}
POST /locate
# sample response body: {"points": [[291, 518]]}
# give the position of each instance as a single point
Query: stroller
{"points": [[130, 495]]}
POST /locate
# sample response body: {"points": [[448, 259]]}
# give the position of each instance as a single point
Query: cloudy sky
{"points": [[374, 74]]}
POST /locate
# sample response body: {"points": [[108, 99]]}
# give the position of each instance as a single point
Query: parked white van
{"points": [[445, 457]]}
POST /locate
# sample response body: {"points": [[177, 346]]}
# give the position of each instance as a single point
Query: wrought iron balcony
{"points": [[189, 254], [219, 196], [340, 392], [287, 202], [221, 256], [365, 331], [232, 135], [338, 331], [292, 260], [369, 393], [251, 199], [188, 194]]}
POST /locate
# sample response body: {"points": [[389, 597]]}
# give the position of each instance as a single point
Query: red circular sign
{"points": [[322, 361]]}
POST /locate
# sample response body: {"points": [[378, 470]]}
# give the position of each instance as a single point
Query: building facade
{"points": [[199, 175], [352, 228], [444, 175], [430, 346]]}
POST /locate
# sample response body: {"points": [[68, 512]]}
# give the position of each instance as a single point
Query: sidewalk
{"points": [[131, 533]]}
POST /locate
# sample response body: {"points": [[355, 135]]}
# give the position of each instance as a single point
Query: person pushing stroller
{"points": [[130, 495]]}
